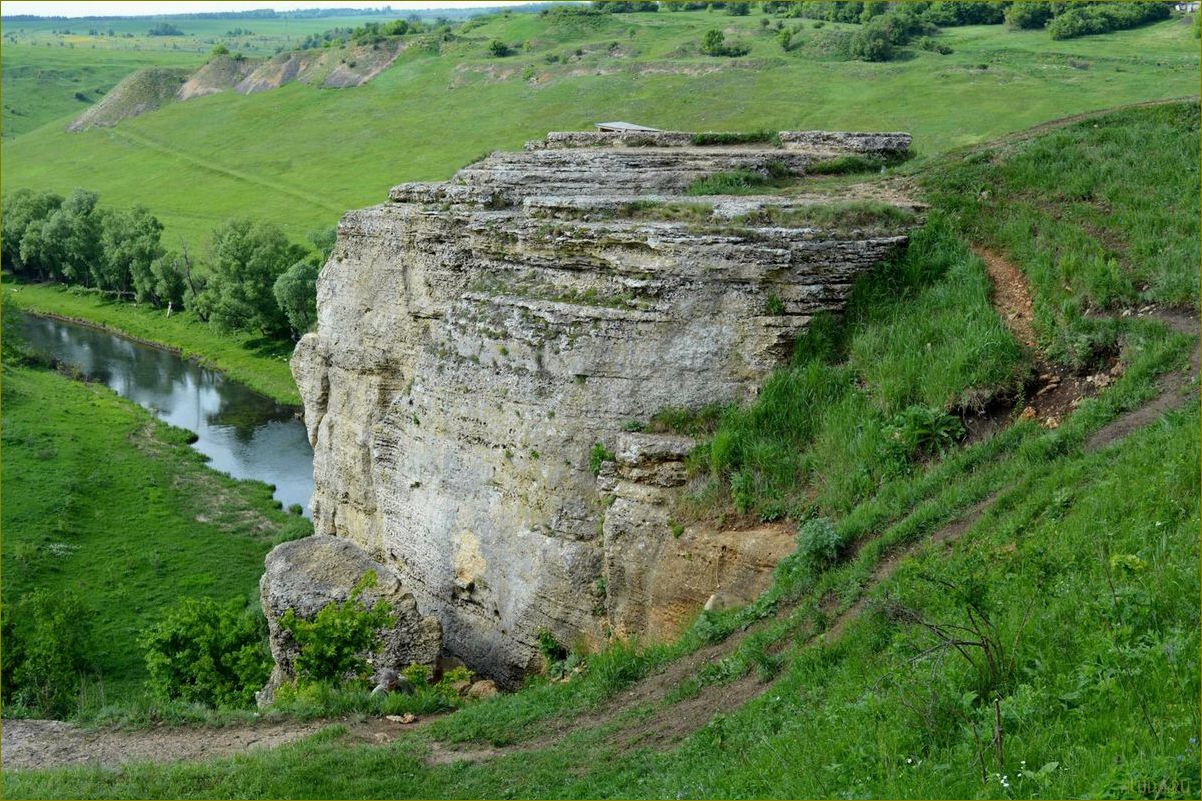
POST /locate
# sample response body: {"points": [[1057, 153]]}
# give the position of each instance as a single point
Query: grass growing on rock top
{"points": [[921, 334]]}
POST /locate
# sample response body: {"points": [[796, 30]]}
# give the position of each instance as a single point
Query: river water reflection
{"points": [[243, 433]]}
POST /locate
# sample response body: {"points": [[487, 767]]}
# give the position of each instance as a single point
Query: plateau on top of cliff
{"points": [[648, 163]]}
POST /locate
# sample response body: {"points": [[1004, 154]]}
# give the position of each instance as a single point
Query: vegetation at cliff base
{"points": [[110, 510]]}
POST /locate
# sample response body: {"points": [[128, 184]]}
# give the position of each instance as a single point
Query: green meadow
{"points": [[102, 499], [1082, 566]]}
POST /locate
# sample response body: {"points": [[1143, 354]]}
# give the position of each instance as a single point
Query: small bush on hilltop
{"points": [[714, 44], [208, 652]]}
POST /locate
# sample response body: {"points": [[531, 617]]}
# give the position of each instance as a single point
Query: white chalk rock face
{"points": [[477, 338]]}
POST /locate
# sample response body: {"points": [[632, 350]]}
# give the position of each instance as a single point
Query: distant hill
{"points": [[147, 90]]}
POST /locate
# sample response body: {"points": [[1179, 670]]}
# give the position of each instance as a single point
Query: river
{"points": [[243, 433]]}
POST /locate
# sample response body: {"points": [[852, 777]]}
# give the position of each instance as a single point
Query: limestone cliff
{"points": [[478, 338]]}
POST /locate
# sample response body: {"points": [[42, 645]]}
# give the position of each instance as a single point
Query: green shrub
{"points": [[871, 44], [714, 44], [951, 14], [599, 455], [1086, 20], [550, 648], [922, 431], [1028, 15], [207, 652], [46, 651], [818, 543], [334, 643], [931, 44], [498, 49]]}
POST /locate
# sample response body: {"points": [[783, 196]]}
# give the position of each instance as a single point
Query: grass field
{"points": [[300, 156], [102, 498], [864, 717], [46, 63]]}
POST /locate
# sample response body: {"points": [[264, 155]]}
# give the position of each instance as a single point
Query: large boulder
{"points": [[308, 574]]}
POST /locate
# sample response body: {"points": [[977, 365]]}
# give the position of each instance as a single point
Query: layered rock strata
{"points": [[483, 343]]}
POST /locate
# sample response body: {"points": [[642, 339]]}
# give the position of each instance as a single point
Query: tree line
{"points": [[252, 278], [1064, 20]]}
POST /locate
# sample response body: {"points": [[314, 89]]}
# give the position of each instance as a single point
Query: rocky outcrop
{"points": [[307, 575], [482, 343], [659, 572], [139, 92], [146, 90], [219, 74]]}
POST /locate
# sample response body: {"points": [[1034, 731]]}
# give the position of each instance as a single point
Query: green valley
{"points": [[981, 450]]}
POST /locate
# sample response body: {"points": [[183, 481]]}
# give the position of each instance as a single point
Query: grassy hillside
{"points": [[101, 498], [1075, 559], [300, 156], [52, 68]]}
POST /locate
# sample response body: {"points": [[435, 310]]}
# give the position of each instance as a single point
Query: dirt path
{"points": [[37, 744], [1011, 296]]}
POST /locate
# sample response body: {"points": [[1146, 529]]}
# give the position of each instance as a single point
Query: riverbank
{"points": [[259, 363], [103, 499]]}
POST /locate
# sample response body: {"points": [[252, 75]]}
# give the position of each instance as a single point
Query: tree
{"points": [[871, 44], [296, 294], [398, 27], [129, 242], [296, 289], [168, 284], [1023, 15], [498, 49], [22, 211], [68, 243], [247, 258], [165, 29], [714, 44], [738, 9]]}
